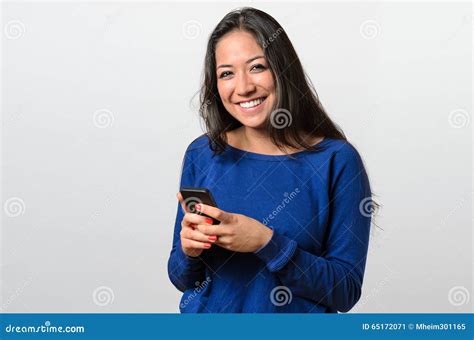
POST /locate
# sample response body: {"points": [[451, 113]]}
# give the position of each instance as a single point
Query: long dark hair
{"points": [[297, 111]]}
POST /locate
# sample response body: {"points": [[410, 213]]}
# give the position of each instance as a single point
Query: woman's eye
{"points": [[258, 66], [224, 74]]}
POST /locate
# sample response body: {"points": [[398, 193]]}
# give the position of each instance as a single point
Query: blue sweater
{"points": [[318, 206]]}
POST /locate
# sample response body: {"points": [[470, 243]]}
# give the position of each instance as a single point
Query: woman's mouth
{"points": [[252, 105]]}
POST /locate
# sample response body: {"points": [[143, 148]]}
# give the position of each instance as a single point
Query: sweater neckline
{"points": [[261, 156]]}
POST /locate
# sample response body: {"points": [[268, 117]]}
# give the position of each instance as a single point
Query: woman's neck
{"points": [[258, 141]]}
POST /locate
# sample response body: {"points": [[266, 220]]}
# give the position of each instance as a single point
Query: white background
{"points": [[96, 117]]}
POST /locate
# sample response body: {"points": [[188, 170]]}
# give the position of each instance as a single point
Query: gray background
{"points": [[96, 117]]}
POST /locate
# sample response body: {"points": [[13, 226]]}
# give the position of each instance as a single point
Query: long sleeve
{"points": [[184, 270], [335, 277]]}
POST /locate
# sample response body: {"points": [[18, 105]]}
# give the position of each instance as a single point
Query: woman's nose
{"points": [[244, 85]]}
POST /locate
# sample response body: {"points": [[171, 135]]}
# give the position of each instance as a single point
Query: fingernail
{"points": [[209, 220], [212, 238], [207, 245], [198, 206]]}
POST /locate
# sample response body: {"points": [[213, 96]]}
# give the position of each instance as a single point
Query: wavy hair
{"points": [[297, 112]]}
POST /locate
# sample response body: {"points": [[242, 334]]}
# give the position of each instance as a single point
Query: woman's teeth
{"points": [[251, 103]]}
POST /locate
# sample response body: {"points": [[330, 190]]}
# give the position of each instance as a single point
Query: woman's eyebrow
{"points": [[248, 61]]}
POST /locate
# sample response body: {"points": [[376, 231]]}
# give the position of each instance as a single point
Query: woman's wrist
{"points": [[266, 236]]}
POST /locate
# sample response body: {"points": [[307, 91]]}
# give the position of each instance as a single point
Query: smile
{"points": [[252, 103]]}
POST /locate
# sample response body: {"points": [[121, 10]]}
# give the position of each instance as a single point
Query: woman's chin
{"points": [[255, 122]]}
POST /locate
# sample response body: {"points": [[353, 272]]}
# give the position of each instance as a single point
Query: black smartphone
{"points": [[193, 196]]}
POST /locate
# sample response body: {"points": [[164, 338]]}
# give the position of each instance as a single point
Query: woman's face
{"points": [[244, 79]]}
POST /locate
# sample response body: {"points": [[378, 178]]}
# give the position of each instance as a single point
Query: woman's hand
{"points": [[236, 232], [193, 242]]}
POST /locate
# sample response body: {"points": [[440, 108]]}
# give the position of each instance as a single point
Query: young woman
{"points": [[294, 200]]}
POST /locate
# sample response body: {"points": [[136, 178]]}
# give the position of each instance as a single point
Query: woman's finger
{"points": [[216, 213], [187, 243], [181, 201], [196, 235], [218, 230], [196, 219]]}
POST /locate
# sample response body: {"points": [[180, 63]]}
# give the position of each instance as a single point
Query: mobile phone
{"points": [[193, 196]]}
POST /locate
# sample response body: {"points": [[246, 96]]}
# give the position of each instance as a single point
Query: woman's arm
{"points": [[183, 270], [335, 278]]}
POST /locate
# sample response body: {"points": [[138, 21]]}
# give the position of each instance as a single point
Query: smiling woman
{"points": [[246, 87], [294, 200], [254, 79]]}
